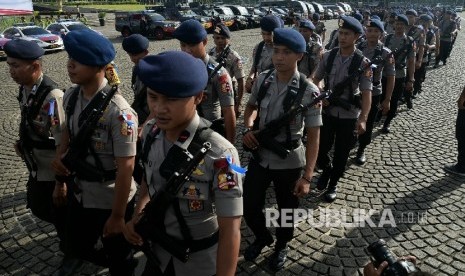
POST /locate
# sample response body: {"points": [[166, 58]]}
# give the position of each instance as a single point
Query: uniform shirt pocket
{"points": [[100, 140], [194, 198]]}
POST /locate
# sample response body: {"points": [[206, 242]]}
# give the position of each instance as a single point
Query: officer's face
{"points": [[267, 37], [21, 71], [136, 57], [81, 74], [172, 114], [220, 41], [373, 34], [399, 27], [195, 50], [411, 19], [306, 33], [284, 59], [347, 38]]}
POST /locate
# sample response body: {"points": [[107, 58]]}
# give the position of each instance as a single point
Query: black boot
{"points": [[254, 250], [361, 158], [331, 192], [324, 178]]}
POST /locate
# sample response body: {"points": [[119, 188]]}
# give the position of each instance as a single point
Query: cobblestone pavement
{"points": [[404, 174]]}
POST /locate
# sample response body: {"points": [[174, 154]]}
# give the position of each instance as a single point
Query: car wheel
{"points": [[126, 32], [159, 34]]}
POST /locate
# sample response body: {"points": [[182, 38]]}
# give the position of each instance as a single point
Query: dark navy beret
{"points": [[23, 49], [316, 16], [174, 74], [221, 29], [431, 14], [425, 17], [270, 22], [348, 22], [290, 38], [190, 32], [377, 24], [89, 48], [358, 16], [307, 24], [402, 18], [411, 12], [375, 17], [135, 44], [367, 12]]}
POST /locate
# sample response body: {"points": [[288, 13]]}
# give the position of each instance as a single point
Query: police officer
{"points": [[405, 67], [219, 98], [281, 88], [98, 209], [263, 51], [42, 118], [209, 204], [309, 62], [459, 167], [342, 122], [233, 63], [373, 49], [320, 28], [430, 45], [418, 33], [389, 27], [447, 30]]}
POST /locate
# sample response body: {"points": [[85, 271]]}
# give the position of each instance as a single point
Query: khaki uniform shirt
{"points": [[311, 58], [265, 62], [114, 136], [386, 68], [234, 63], [219, 92], [338, 73], [271, 107], [398, 43], [214, 190], [47, 126]]}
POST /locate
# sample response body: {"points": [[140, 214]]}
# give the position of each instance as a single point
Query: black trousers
{"points": [[444, 51], [420, 76], [460, 135], [257, 181], [84, 229], [341, 134], [365, 139], [399, 88]]}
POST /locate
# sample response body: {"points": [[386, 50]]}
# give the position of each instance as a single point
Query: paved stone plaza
{"points": [[403, 174]]}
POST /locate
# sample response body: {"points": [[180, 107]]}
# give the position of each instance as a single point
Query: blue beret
{"points": [[402, 18], [190, 32], [393, 14], [221, 29], [174, 74], [290, 38], [377, 24], [89, 48], [270, 22], [358, 16], [425, 17], [375, 17], [307, 24], [431, 14], [23, 49], [316, 16], [411, 12], [348, 22], [135, 44]]}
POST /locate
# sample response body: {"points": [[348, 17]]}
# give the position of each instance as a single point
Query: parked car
{"points": [[63, 27], [182, 14], [459, 9], [43, 38], [157, 26], [3, 41], [253, 21], [240, 22]]}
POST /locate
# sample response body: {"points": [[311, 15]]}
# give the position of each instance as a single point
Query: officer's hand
{"points": [[248, 84], [59, 168], [361, 127], [130, 233], [371, 270], [302, 187], [59, 194], [250, 141], [114, 225], [325, 102], [409, 86], [417, 65], [461, 102], [385, 106]]}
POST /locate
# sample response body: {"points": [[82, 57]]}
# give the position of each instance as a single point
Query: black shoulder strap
{"points": [[263, 88], [330, 60], [356, 61], [258, 54], [388, 40], [294, 99], [378, 50]]}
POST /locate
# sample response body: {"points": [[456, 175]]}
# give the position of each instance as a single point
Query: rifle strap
{"points": [[261, 94], [292, 99]]}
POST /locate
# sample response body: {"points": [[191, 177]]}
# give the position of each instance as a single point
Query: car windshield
{"points": [[188, 13], [34, 31], [227, 11], [75, 27], [157, 17], [243, 10]]}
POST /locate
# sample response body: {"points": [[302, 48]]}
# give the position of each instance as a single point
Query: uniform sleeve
{"points": [[227, 185], [124, 125], [422, 38], [321, 69], [224, 88], [254, 52], [313, 114], [412, 51], [57, 115], [237, 66], [389, 64], [366, 78], [254, 93]]}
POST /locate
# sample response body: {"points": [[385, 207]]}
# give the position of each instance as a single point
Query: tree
{"points": [[60, 5]]}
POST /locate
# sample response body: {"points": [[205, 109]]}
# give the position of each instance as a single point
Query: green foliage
{"points": [[102, 14]]}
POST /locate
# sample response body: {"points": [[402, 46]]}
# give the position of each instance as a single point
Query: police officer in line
{"points": [[234, 64], [430, 45], [98, 210], [309, 62], [262, 52], [405, 68], [219, 96], [320, 28], [42, 119], [341, 125], [447, 30], [374, 50], [389, 25], [419, 35], [209, 204], [283, 88]]}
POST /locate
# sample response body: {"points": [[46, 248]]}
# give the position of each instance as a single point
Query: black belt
{"points": [[43, 145], [292, 145], [202, 244]]}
